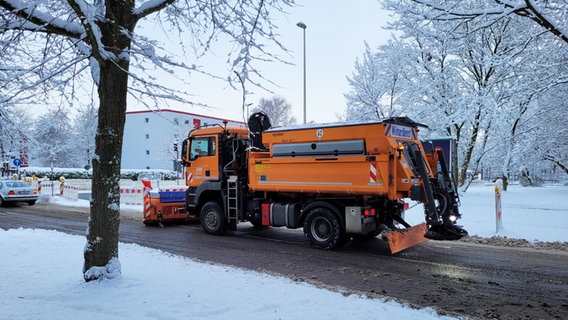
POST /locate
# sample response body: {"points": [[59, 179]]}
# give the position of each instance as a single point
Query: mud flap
{"points": [[403, 239]]}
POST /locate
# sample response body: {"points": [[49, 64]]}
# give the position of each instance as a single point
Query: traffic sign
{"points": [[17, 162]]}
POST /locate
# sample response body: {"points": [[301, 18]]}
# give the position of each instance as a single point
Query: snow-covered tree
{"points": [[378, 83], [10, 115], [475, 80], [278, 110], [363, 100], [85, 131], [554, 145], [541, 150], [100, 37], [52, 140], [15, 137], [7, 129]]}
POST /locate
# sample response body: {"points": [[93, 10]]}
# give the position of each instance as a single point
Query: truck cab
{"points": [[202, 162], [207, 157]]}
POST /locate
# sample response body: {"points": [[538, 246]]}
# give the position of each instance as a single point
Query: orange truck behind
{"points": [[336, 181]]}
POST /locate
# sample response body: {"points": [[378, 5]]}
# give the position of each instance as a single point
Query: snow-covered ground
{"points": [[531, 213], [42, 279]]}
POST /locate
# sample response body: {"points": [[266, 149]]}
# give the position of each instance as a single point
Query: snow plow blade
{"points": [[403, 239]]}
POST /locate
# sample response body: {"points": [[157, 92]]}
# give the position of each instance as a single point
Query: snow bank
{"points": [[42, 279]]}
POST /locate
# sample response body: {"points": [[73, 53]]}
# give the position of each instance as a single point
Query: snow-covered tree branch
{"points": [[551, 15]]}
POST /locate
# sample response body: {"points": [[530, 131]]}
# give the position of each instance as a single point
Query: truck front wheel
{"points": [[322, 229], [213, 219]]}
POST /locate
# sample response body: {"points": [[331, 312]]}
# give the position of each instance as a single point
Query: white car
{"points": [[17, 191]]}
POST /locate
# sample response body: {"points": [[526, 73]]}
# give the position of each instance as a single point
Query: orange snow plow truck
{"points": [[336, 181]]}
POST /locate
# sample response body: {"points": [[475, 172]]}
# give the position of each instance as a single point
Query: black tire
{"points": [[31, 203], [212, 218], [323, 229], [1, 202]]}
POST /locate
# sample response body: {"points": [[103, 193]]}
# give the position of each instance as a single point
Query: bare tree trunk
{"points": [[512, 141], [102, 235], [470, 146], [477, 161], [101, 251]]}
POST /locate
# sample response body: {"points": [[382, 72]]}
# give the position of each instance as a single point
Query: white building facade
{"points": [[150, 137]]}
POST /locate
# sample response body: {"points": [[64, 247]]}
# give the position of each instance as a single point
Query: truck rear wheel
{"points": [[322, 229], [213, 219]]}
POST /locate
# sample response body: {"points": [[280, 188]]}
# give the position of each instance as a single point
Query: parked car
{"points": [[17, 191]]}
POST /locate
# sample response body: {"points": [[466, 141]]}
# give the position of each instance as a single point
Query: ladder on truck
{"points": [[232, 200]]}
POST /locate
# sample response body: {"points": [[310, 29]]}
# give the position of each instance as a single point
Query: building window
{"points": [[147, 152], [147, 136], [146, 120]]}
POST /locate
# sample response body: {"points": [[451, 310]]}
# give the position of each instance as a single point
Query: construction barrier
{"points": [[70, 192], [43, 187], [136, 196], [131, 196], [131, 192], [147, 205]]}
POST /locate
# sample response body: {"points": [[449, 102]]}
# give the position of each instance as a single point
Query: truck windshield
{"points": [[202, 147]]}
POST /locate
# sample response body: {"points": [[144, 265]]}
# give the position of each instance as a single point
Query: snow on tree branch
{"points": [[149, 7], [550, 14], [32, 16], [245, 25]]}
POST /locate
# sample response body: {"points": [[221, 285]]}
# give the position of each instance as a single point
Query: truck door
{"points": [[203, 162]]}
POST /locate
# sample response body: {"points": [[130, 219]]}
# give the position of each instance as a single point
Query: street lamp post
{"points": [[303, 26]]}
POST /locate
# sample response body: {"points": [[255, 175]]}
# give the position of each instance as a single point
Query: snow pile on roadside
{"points": [[42, 280]]}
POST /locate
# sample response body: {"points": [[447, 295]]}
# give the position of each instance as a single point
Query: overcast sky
{"points": [[335, 36]]}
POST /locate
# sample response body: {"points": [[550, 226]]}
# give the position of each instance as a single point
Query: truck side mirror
{"points": [[184, 152]]}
